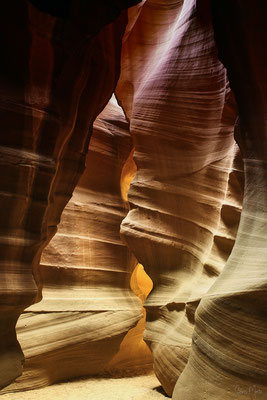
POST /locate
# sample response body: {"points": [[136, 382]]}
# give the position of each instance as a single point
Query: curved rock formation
{"points": [[176, 95], [56, 75], [228, 358], [88, 305], [206, 315]]}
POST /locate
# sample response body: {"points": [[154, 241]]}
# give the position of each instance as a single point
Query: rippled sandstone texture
{"points": [[228, 358], [88, 305], [58, 71], [186, 196]]}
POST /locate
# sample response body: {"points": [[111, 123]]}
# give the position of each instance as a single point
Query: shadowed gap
{"points": [[134, 354]]}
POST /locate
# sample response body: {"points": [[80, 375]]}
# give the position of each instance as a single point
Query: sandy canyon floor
{"points": [[134, 388]]}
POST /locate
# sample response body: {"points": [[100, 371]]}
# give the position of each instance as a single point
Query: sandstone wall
{"points": [[192, 79], [57, 74], [228, 358], [186, 196]]}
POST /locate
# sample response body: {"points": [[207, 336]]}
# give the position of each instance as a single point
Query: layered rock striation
{"points": [[228, 358], [56, 75], [186, 195], [88, 305], [188, 69]]}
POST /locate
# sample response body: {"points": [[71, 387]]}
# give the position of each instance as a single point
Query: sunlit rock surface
{"points": [[206, 315], [186, 195], [229, 352], [88, 305], [134, 356], [57, 73]]}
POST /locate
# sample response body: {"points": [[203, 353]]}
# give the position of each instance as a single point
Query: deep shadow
{"points": [[160, 390]]}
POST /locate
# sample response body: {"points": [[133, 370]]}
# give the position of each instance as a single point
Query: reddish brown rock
{"points": [[176, 95], [56, 76], [87, 306], [58, 71]]}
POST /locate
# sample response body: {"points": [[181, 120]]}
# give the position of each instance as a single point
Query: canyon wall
{"points": [[192, 80], [186, 195], [88, 306], [57, 73], [228, 357]]}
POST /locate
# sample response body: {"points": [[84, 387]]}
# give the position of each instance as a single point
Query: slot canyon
{"points": [[133, 163]]}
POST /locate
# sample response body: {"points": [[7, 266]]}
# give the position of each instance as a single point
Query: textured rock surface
{"points": [[130, 388], [185, 198], [56, 76], [88, 305], [228, 358]]}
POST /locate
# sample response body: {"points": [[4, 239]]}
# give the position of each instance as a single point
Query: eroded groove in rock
{"points": [[228, 358], [176, 95], [231, 207], [88, 305], [56, 76]]}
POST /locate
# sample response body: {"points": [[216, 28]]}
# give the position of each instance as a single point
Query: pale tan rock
{"points": [[88, 306], [176, 95], [228, 357], [229, 341]]}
